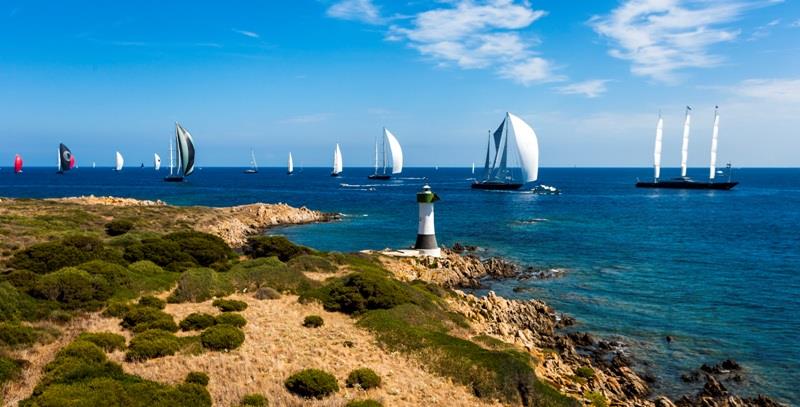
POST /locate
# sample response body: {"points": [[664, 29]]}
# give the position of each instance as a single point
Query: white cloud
{"points": [[662, 37], [480, 35], [769, 90], [591, 88], [795, 23], [250, 34], [356, 10]]}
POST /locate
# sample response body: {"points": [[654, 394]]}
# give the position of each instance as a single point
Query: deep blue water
{"points": [[716, 270]]}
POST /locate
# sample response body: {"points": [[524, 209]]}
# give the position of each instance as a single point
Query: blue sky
{"points": [[589, 76]]}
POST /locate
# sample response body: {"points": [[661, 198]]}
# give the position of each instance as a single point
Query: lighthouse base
{"points": [[437, 252]]}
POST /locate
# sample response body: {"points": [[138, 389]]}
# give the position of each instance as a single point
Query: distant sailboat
{"points": [[253, 165], [156, 162], [17, 164], [66, 161], [517, 135], [473, 168], [684, 182], [184, 154], [337, 161], [119, 162], [290, 168], [397, 156]]}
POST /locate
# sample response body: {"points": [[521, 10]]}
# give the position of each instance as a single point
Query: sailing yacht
{"points": [[184, 155], [517, 135], [156, 162], [684, 182], [66, 161], [17, 164], [290, 167], [253, 165], [337, 161], [119, 162], [397, 156]]}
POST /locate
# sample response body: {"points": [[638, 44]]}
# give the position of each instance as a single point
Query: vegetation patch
{"points": [[107, 341], [165, 253], [151, 344], [197, 378], [222, 337], [197, 321], [584, 372], [152, 302], [118, 227], [231, 318], [254, 400], [267, 293], [365, 378], [363, 403], [312, 383], [313, 321], [312, 263], [74, 288], [70, 251], [277, 246], [200, 284], [226, 305], [140, 319], [596, 398], [14, 334], [254, 274], [10, 369], [204, 248]]}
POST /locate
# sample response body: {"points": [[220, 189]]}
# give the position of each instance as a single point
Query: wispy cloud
{"points": [[663, 37], [795, 23], [306, 118], [591, 88], [480, 35], [763, 30], [775, 90], [356, 10], [250, 34]]}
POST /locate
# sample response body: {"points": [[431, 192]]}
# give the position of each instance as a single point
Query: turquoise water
{"points": [[716, 270]]}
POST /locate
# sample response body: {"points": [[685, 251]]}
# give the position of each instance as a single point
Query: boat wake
{"points": [[531, 221]]}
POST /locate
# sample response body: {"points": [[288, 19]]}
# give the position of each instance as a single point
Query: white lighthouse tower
{"points": [[426, 234]]}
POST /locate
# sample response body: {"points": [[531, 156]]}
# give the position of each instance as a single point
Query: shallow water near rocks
{"points": [[718, 271]]}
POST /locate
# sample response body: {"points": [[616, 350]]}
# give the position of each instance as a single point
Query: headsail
{"points": [[185, 147], [714, 137], [156, 162], [396, 150], [657, 151], [337, 160], [119, 162], [685, 145], [527, 147], [66, 161], [290, 168], [17, 164]]}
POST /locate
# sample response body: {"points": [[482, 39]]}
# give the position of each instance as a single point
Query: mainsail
{"points": [[396, 150], [527, 147], [337, 160], [185, 150], [290, 168], [156, 162], [714, 138], [517, 135], [66, 161], [17, 164], [119, 162], [253, 163], [657, 150], [685, 145]]}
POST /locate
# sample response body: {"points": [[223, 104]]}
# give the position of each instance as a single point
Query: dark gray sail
{"points": [[65, 159]]}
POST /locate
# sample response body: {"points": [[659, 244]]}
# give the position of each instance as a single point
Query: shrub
{"points": [[15, 305], [150, 277], [585, 372], [152, 302], [139, 319], [226, 305], [116, 275], [278, 246], [14, 334], [204, 248], [80, 360], [23, 280], [222, 337], [596, 398], [363, 403], [267, 293], [153, 343], [268, 272], [254, 400], [200, 284], [312, 383], [71, 251], [197, 378], [230, 318], [10, 369], [197, 321], [313, 321], [365, 378], [118, 227], [107, 341], [74, 288], [366, 290], [116, 309], [312, 263], [164, 253]]}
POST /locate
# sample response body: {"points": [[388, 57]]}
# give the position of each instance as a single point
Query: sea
{"points": [[718, 271]]}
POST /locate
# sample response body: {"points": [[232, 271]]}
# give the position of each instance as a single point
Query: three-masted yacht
{"points": [[397, 156], [512, 156], [184, 155]]}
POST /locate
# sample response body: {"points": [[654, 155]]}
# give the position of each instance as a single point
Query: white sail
{"points": [[396, 150], [291, 164], [337, 160], [685, 145], [527, 146], [657, 151], [714, 137], [156, 162], [473, 168], [185, 147], [119, 162], [253, 162]]}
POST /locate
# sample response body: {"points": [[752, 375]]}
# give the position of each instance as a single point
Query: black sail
{"points": [[65, 159]]}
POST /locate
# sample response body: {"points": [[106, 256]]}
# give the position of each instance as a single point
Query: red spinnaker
{"points": [[17, 164]]}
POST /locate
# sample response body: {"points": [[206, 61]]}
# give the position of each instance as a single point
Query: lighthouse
{"points": [[426, 234]]}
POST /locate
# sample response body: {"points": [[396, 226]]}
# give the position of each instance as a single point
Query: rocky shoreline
{"points": [[578, 364]]}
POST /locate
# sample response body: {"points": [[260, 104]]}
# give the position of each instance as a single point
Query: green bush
{"points": [[366, 290], [363, 403], [107, 341], [596, 398], [10, 369], [312, 383], [200, 284], [267, 293], [139, 319], [197, 378], [116, 310], [231, 318], [226, 305], [365, 378], [118, 227], [15, 305], [14, 334], [78, 361], [24, 280], [278, 246], [254, 400], [71, 251], [204, 248], [222, 337], [585, 372], [117, 276], [312, 263], [197, 321], [152, 302], [313, 321], [150, 277], [74, 289], [268, 272], [164, 253], [154, 343]]}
